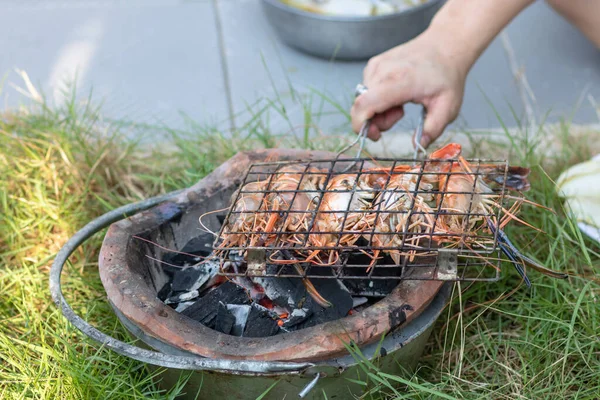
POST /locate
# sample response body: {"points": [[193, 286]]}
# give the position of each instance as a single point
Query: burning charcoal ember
{"points": [[204, 310], [255, 292], [225, 319], [201, 246], [296, 317], [284, 292], [260, 323], [290, 293], [240, 313]]}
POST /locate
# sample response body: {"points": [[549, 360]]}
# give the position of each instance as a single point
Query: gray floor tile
{"points": [[261, 67], [149, 60], [147, 63], [562, 66], [558, 61]]}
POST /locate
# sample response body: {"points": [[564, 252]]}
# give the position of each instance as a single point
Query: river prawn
{"points": [[391, 222], [444, 199], [341, 218], [245, 217], [293, 194], [292, 188], [466, 193], [402, 199]]}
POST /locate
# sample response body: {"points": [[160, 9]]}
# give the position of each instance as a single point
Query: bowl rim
{"points": [[332, 18]]}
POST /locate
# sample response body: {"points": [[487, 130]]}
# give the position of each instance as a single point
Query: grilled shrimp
{"points": [[295, 188], [394, 206], [244, 216], [478, 197], [343, 208], [466, 192]]}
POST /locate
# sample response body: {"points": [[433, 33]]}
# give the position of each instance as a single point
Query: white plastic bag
{"points": [[580, 187]]}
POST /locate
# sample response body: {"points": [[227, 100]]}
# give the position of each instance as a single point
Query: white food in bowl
{"points": [[353, 8]]}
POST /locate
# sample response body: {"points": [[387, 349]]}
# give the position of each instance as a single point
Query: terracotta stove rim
{"points": [[137, 301]]}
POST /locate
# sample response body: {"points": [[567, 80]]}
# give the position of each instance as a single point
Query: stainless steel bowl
{"points": [[347, 38]]}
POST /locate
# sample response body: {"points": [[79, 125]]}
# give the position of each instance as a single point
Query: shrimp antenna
{"points": [[209, 213], [167, 249]]}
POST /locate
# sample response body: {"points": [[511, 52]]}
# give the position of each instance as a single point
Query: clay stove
{"points": [[133, 273]]}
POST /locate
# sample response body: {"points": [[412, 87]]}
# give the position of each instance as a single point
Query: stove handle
{"points": [[138, 353]]}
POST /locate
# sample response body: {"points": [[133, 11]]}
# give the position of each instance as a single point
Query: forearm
{"points": [[465, 28], [584, 14]]}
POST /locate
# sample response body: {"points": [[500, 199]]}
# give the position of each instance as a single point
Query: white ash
{"points": [[359, 301], [183, 297], [240, 313], [182, 306]]}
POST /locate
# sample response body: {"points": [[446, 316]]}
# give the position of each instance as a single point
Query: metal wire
{"points": [[362, 134], [419, 134], [345, 250]]}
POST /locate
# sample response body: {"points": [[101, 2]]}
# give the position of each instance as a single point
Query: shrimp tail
{"points": [[448, 152], [440, 160]]}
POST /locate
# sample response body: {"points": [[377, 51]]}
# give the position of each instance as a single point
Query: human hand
{"points": [[420, 71]]}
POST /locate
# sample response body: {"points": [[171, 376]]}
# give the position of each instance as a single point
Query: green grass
{"points": [[60, 168]]}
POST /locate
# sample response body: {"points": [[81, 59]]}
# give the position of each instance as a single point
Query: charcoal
{"points": [[370, 288], [225, 319], [373, 287], [240, 313], [204, 310], [298, 316], [182, 306], [164, 292], [333, 292], [192, 278], [306, 312], [260, 324], [359, 301], [200, 246], [181, 297], [255, 292], [284, 292], [170, 270]]}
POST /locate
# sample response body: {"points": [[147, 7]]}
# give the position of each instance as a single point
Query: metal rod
{"points": [[311, 385]]}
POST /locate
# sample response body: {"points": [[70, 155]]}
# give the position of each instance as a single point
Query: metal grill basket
{"points": [[427, 239]]}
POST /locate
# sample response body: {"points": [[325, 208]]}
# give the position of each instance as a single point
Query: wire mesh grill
{"points": [[385, 219]]}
